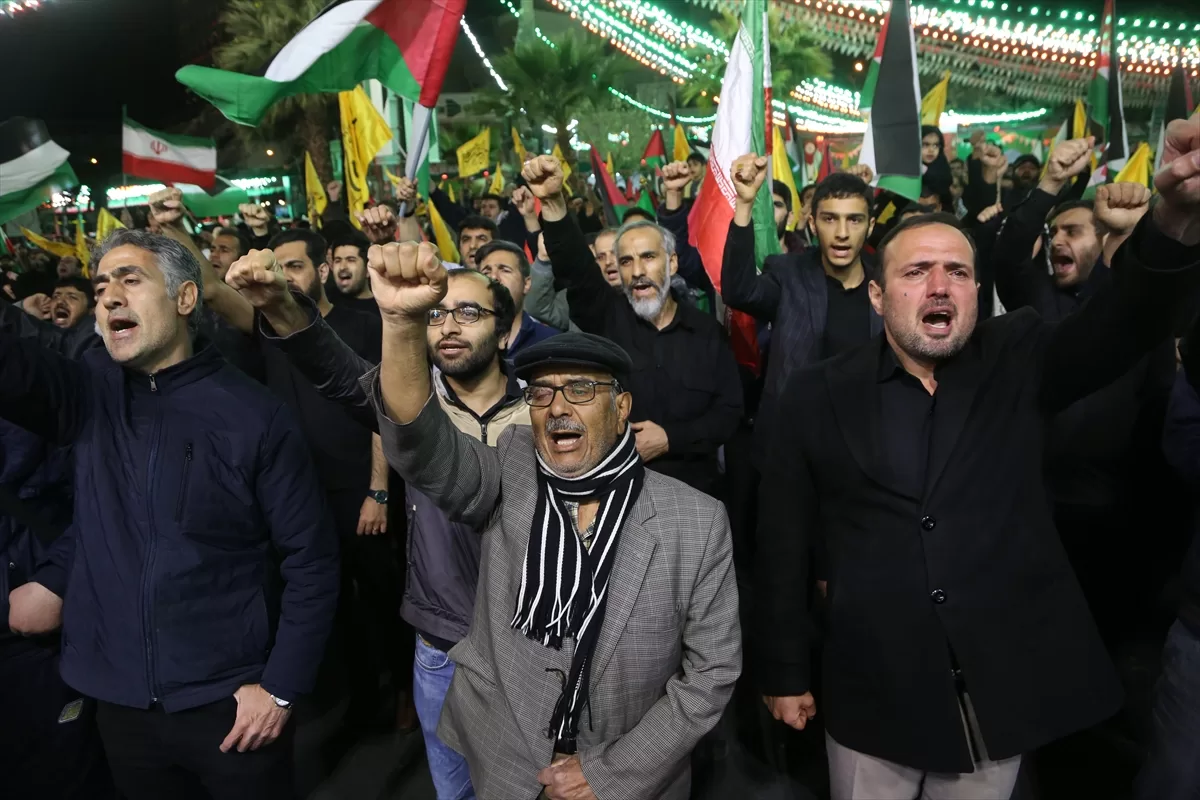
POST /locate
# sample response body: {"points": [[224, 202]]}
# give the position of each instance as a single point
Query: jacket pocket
{"points": [[183, 483]]}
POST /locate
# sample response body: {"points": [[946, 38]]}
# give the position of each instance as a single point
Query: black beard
{"points": [[478, 360]]}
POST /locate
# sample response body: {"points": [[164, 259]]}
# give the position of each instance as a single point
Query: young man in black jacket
{"points": [[202, 577]]}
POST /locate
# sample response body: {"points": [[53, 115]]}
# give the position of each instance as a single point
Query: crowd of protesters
{"points": [[259, 479]]}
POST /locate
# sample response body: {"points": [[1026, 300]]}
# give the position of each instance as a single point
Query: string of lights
{"points": [[11, 8], [462, 21]]}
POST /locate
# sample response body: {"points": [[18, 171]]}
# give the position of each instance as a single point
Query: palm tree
{"points": [[549, 85], [795, 55], [257, 30]]}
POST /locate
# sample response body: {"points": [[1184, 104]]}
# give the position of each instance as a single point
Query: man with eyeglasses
{"points": [[464, 337], [605, 640]]}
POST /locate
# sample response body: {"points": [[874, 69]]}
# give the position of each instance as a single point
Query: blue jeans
{"points": [[1172, 768], [432, 671]]}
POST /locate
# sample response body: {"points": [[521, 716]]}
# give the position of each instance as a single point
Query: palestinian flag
{"points": [[32, 165], [1179, 105], [656, 151], [740, 128], [405, 44], [645, 202], [1104, 100], [167, 157], [892, 142], [868, 93], [611, 199]]}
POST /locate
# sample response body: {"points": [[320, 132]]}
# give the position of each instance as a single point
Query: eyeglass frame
{"points": [[562, 388], [453, 312]]}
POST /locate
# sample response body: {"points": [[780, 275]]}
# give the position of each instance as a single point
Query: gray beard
{"points": [[649, 309]]}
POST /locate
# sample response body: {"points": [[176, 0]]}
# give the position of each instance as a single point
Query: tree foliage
{"points": [[256, 31], [550, 85], [795, 55]]}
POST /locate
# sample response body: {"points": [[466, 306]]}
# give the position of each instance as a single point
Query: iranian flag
{"points": [[656, 151], [405, 44], [166, 157], [32, 165], [1105, 103], [740, 128], [892, 142]]}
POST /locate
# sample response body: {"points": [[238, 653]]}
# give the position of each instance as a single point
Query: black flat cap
{"points": [[574, 349]]}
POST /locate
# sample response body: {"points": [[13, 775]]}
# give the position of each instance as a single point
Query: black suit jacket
{"points": [[792, 295], [974, 564]]}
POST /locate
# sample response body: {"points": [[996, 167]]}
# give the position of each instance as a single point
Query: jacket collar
{"points": [[205, 360], [514, 392]]}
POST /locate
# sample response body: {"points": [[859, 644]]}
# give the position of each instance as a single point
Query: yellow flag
{"points": [[82, 251], [1137, 168], [364, 133], [781, 171], [442, 235], [682, 148], [106, 223], [450, 192], [60, 249], [497, 181], [1079, 127], [566, 167], [518, 146], [314, 192], [934, 103], [473, 156], [612, 170]]}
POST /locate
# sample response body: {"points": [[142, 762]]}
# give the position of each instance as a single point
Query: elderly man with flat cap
{"points": [[605, 640]]}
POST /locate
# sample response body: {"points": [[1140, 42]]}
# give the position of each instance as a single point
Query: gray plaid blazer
{"points": [[669, 650]]}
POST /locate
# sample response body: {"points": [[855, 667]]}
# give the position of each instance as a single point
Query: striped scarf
{"points": [[564, 587]]}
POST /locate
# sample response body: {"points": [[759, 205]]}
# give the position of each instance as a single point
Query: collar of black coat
{"points": [[205, 360]]}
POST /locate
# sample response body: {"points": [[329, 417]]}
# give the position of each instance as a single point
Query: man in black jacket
{"points": [[957, 636], [203, 578], [1103, 460]]}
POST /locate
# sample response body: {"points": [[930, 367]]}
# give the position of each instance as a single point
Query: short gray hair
{"points": [[668, 238], [177, 263]]}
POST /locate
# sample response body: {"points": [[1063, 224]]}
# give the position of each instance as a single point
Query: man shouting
{"points": [[605, 638]]}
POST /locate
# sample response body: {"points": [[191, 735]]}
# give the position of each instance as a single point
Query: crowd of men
{"points": [[259, 476]]}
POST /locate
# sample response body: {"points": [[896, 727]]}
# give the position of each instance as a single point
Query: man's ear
{"points": [[323, 272], [186, 299], [875, 294], [624, 407]]}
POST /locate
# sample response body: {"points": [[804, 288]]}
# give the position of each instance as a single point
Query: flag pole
{"points": [[421, 117]]}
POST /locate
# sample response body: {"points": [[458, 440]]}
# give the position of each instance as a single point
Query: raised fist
{"points": [[863, 171], [989, 213], [1178, 182], [166, 207], [37, 305], [407, 279], [1069, 159], [544, 175], [258, 278], [748, 173], [1119, 206], [993, 158], [406, 192], [378, 223], [333, 190], [525, 202], [255, 216], [676, 176]]}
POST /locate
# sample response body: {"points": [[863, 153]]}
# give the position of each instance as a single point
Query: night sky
{"points": [[74, 63]]}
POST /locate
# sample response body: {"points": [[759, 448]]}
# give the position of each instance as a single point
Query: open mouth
{"points": [[938, 321], [643, 289], [453, 348], [840, 252], [565, 441], [61, 313], [1062, 263], [121, 328]]}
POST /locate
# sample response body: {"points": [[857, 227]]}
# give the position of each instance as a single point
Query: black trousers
{"points": [[49, 746], [154, 755]]}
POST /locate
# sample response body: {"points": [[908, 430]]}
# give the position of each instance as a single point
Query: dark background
{"points": [[74, 63]]}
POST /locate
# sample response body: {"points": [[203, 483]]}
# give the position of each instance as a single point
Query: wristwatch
{"points": [[284, 704], [380, 496]]}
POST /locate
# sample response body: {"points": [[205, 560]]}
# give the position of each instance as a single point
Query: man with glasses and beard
{"points": [[582, 544], [684, 374], [465, 336]]}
